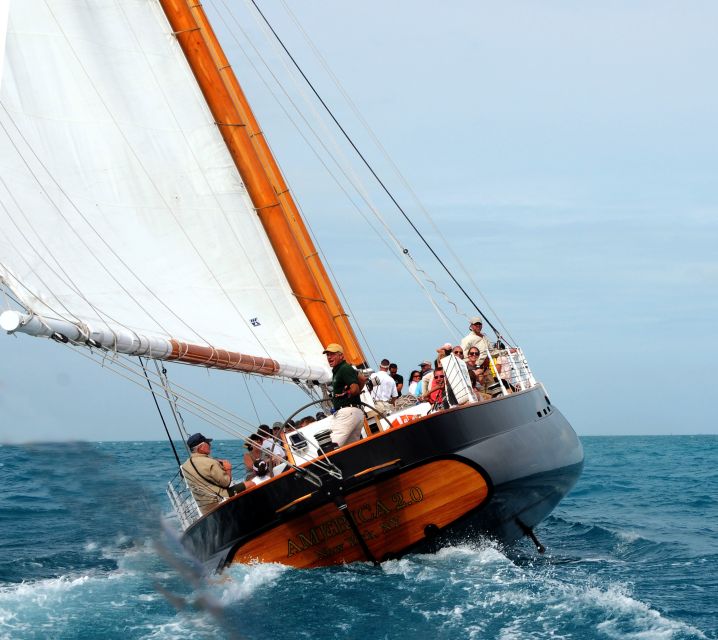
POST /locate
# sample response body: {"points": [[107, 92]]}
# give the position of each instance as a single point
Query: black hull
{"points": [[522, 446]]}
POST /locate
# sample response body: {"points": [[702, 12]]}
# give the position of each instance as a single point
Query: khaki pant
{"points": [[346, 425]]}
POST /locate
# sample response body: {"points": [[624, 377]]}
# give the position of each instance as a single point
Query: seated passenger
{"points": [[472, 359], [415, 383], [273, 446], [437, 391], [482, 381], [254, 453], [429, 375], [262, 472], [209, 480]]}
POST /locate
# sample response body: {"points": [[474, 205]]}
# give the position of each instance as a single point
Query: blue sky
{"points": [[568, 152]]}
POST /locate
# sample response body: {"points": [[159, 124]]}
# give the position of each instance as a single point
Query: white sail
{"points": [[4, 7], [120, 207]]}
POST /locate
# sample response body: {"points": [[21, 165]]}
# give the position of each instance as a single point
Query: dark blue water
{"points": [[632, 553]]}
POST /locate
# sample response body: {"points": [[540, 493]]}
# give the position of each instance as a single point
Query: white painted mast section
{"points": [[120, 340]]}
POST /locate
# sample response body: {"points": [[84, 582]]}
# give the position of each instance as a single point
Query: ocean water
{"points": [[632, 552]]}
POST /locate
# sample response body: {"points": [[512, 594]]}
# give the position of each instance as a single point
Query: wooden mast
{"points": [[267, 189]]}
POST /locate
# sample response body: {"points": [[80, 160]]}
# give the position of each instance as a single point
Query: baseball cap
{"points": [[333, 348], [196, 439]]}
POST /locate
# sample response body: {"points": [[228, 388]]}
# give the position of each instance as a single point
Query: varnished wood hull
{"points": [[494, 468]]}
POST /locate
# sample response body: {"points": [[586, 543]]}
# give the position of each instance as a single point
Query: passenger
{"points": [[458, 352], [415, 383], [320, 415], [305, 421], [437, 391], [254, 453], [348, 418], [277, 429], [262, 472], [429, 375], [483, 381], [384, 392], [424, 367], [426, 383], [476, 339], [274, 446], [209, 479], [444, 350], [264, 432], [397, 377], [472, 359]]}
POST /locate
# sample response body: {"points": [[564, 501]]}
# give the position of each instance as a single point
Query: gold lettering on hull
{"points": [[391, 516], [364, 514]]}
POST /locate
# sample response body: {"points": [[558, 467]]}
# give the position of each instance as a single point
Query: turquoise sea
{"points": [[86, 551]]}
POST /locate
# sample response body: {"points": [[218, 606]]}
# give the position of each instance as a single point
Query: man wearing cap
{"points": [[208, 479], [348, 418], [476, 339], [273, 447]]}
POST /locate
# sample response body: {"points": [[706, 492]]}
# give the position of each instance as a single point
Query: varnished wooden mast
{"points": [[266, 186]]}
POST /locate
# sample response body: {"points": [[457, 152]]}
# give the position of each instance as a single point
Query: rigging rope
{"points": [[402, 254], [157, 404], [371, 169], [396, 170]]}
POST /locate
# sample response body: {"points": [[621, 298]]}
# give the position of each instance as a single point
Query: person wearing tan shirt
{"points": [[209, 479], [476, 339]]}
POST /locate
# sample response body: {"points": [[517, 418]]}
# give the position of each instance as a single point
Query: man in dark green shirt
{"points": [[348, 419]]}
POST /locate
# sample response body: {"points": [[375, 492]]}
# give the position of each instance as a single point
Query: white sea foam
{"points": [[26, 605], [481, 593], [241, 581], [627, 536], [631, 619]]}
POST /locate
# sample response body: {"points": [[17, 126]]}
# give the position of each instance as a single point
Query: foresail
{"points": [[120, 207]]}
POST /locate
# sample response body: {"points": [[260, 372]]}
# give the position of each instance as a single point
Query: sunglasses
{"points": [[473, 353], [438, 377], [458, 351]]}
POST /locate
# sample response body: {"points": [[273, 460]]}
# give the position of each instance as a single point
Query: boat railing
{"points": [[182, 500], [512, 367]]}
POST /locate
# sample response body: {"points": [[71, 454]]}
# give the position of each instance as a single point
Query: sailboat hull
{"points": [[496, 468]]}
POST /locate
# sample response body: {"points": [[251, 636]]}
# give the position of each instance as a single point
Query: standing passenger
{"points": [[476, 339], [348, 418], [397, 377], [384, 392]]}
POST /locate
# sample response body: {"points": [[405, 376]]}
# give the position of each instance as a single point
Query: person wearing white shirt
{"points": [[476, 339], [384, 391]]}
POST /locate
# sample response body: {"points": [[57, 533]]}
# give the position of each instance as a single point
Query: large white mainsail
{"points": [[111, 169]]}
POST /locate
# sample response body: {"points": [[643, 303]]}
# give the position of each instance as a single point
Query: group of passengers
{"points": [[427, 383], [210, 480]]}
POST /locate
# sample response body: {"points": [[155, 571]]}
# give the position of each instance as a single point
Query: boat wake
{"points": [[471, 590]]}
